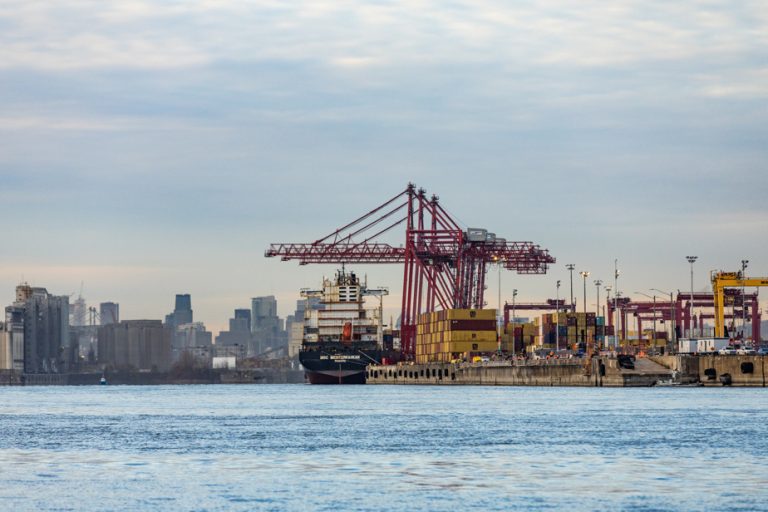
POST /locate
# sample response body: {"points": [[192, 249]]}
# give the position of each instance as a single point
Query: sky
{"points": [[155, 148]]}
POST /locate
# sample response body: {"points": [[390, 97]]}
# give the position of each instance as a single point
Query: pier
{"points": [[705, 370]]}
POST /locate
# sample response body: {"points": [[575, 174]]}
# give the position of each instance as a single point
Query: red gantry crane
{"points": [[445, 266]]}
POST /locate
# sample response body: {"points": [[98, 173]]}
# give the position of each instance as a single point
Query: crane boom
{"points": [[444, 265]]}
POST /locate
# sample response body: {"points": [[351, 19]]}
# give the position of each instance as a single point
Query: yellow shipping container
{"points": [[468, 346], [470, 314], [470, 336]]}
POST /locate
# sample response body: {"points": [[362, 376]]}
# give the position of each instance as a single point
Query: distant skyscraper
{"points": [[182, 313], [244, 314], [266, 326], [263, 311], [109, 313]]}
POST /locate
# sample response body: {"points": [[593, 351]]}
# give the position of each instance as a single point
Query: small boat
{"points": [[103, 381]]}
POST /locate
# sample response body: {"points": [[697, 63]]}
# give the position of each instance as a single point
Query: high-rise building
{"points": [[44, 321], [109, 313], [266, 326], [182, 312], [239, 336], [244, 314]]}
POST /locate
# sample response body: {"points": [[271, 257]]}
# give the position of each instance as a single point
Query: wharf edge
{"points": [[679, 370]]}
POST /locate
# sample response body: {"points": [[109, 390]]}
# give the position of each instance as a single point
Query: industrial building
{"points": [[143, 345], [109, 313], [38, 327]]}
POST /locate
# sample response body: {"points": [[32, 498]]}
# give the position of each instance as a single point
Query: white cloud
{"points": [[140, 35]]}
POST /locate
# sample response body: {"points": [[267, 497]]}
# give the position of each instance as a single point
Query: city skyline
{"points": [[150, 150]]}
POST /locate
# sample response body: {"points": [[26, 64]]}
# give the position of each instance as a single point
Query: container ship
{"points": [[341, 337]]}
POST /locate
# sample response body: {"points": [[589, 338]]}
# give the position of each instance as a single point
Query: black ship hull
{"points": [[341, 364]]}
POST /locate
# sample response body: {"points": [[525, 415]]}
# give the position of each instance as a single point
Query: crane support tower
{"points": [[444, 265], [721, 281]]}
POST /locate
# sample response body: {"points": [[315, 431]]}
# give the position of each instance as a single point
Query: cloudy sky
{"points": [[155, 148]]}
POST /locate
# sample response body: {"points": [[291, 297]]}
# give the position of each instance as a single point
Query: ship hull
{"points": [[355, 377], [334, 366]]}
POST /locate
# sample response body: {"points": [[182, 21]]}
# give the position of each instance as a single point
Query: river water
{"points": [[301, 447]]}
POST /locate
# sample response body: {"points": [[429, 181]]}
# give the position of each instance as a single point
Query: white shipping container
{"points": [[701, 346], [687, 346], [712, 344], [228, 362]]}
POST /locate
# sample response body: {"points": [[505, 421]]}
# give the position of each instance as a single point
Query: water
{"points": [[298, 447]]}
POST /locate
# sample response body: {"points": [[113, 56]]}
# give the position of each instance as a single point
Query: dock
{"points": [[678, 370]]}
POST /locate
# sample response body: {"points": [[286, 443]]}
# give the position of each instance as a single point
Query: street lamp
{"points": [[672, 321], [557, 318], [570, 268], [743, 302], [691, 260]]}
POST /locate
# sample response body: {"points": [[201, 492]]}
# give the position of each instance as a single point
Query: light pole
{"points": [[499, 317], [672, 330], [557, 318], [743, 302], [585, 275], [608, 302], [691, 260], [570, 268], [616, 300], [654, 314], [514, 336], [598, 283]]}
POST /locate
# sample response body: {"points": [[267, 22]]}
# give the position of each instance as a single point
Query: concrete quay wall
{"points": [[601, 372], [744, 370], [707, 369]]}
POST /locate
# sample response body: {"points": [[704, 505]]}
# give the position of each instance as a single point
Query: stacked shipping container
{"points": [[575, 330], [450, 334]]}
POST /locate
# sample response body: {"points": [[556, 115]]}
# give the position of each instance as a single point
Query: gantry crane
{"points": [[444, 265], [723, 280]]}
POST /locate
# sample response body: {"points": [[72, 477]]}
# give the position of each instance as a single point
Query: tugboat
{"points": [[341, 337], [103, 380]]}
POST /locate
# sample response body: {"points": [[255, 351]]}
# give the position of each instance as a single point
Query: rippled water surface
{"points": [[300, 447]]}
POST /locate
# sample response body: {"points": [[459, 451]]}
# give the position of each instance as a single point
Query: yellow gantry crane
{"points": [[723, 280]]}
